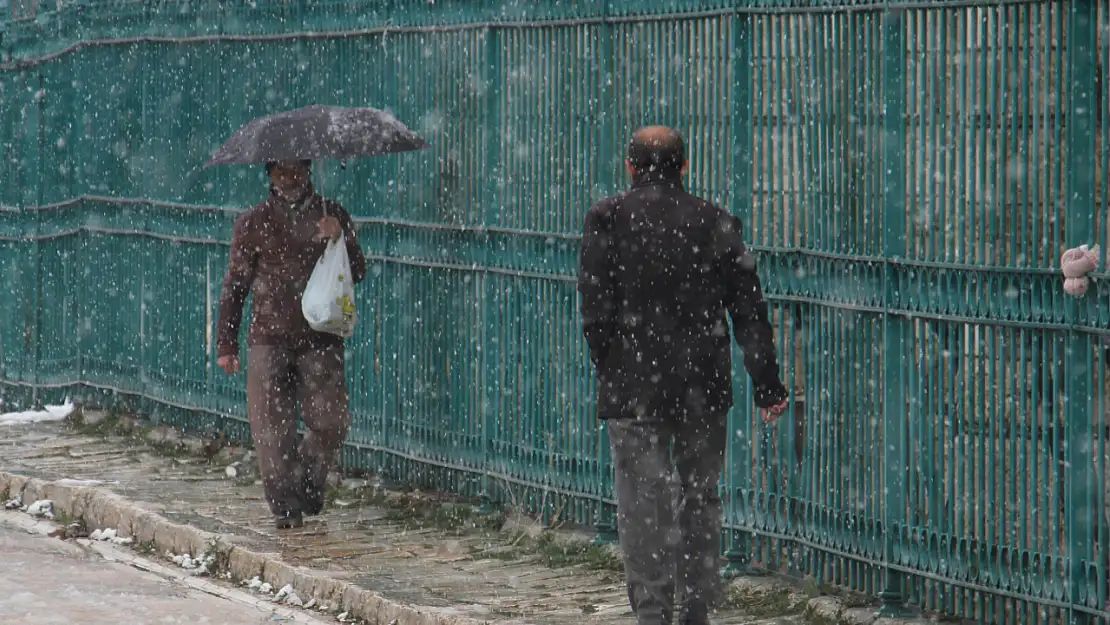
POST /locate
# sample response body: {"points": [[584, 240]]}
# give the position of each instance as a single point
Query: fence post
{"points": [[36, 246], [738, 556], [1079, 194], [895, 327]]}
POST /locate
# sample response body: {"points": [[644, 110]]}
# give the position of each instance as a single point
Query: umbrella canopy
{"points": [[316, 132]]}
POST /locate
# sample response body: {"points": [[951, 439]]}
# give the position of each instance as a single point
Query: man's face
{"points": [[290, 180]]}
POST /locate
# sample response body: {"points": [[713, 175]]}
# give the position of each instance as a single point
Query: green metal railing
{"points": [[908, 172]]}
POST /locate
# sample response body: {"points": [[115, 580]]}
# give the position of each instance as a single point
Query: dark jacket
{"points": [[659, 269], [274, 249]]}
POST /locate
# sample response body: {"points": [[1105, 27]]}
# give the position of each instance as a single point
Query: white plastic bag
{"points": [[329, 298]]}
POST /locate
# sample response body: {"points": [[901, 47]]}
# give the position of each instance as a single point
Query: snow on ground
{"points": [[110, 535], [52, 413], [286, 595], [42, 507], [201, 565]]}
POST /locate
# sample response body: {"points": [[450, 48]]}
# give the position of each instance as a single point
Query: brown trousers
{"points": [[278, 379]]}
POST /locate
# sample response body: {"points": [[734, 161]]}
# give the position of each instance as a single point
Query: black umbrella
{"points": [[315, 132]]}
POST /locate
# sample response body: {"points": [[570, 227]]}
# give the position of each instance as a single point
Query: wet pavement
{"points": [[479, 573], [46, 581]]}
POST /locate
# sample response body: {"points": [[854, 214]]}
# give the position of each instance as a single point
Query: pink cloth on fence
{"points": [[1076, 263]]}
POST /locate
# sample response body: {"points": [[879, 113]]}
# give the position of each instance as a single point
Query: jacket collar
{"points": [[656, 179]]}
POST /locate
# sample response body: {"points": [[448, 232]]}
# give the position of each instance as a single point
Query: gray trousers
{"points": [[279, 380], [669, 511]]}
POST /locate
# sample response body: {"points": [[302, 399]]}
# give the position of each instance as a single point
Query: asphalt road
{"points": [[47, 581]]}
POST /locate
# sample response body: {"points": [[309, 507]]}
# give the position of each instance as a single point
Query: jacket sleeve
{"points": [[596, 283], [237, 285], [748, 310], [354, 248]]}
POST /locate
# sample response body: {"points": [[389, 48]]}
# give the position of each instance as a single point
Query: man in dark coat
{"points": [[660, 269], [274, 248]]}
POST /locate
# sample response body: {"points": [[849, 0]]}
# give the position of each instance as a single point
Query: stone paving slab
{"points": [[461, 574]]}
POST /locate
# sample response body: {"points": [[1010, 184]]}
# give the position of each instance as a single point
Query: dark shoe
{"points": [[695, 614], [313, 500], [289, 520], [653, 617], [313, 505]]}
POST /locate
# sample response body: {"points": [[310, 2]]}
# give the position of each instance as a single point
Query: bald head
{"points": [[657, 150]]}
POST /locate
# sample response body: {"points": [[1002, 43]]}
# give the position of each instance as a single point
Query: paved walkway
{"points": [[420, 557], [50, 582]]}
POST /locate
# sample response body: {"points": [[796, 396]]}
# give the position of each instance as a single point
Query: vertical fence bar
{"points": [[490, 388], [605, 524], [1080, 194], [895, 327], [738, 556]]}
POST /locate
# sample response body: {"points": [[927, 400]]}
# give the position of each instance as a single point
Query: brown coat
{"points": [[274, 249]]}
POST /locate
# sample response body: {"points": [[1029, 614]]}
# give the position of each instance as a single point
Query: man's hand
{"points": [[329, 229], [772, 414], [229, 363]]}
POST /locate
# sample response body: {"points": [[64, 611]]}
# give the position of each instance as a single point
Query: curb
{"points": [[100, 508], [103, 509], [123, 555]]}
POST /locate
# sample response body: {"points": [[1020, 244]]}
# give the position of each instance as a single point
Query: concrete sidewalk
{"points": [[48, 581], [377, 552]]}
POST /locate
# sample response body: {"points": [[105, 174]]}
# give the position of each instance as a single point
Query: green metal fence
{"points": [[909, 173]]}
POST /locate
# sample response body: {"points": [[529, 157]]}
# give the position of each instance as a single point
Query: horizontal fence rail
{"points": [[908, 172]]}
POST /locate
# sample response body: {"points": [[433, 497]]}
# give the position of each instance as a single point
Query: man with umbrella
{"points": [[274, 248]]}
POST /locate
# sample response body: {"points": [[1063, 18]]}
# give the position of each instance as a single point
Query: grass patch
{"points": [[135, 435], [847, 598], [763, 603], [69, 528], [451, 518], [560, 554], [63, 518], [547, 549], [221, 560], [110, 425], [169, 449], [147, 548], [502, 553], [418, 511], [855, 600]]}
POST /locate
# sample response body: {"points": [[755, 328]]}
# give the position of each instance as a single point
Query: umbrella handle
{"points": [[323, 200]]}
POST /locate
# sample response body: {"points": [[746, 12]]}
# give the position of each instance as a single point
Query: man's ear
{"points": [[685, 167], [630, 168]]}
